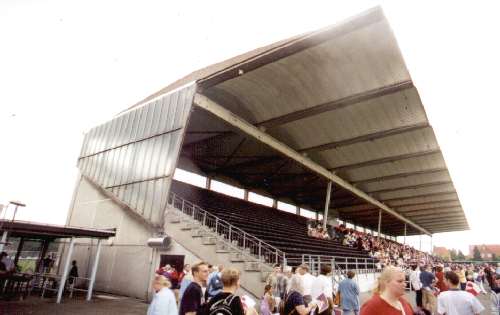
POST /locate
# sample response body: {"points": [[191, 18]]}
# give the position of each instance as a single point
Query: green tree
{"points": [[453, 254], [494, 257], [476, 254], [460, 255]]}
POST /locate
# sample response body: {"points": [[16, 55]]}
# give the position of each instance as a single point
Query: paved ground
{"points": [[103, 304], [107, 304]]}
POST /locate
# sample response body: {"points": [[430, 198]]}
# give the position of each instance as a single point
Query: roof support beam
{"points": [[384, 160], [422, 195], [399, 175], [232, 119], [452, 229], [380, 191], [428, 206], [431, 210], [356, 208], [445, 223], [337, 104], [364, 138], [440, 216]]}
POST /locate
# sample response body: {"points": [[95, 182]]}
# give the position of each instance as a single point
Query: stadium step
{"points": [[199, 233], [252, 266], [237, 257], [209, 240], [223, 247]]}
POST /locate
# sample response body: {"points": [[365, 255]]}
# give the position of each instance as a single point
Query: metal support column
{"points": [[245, 194], [275, 203], [297, 210], [4, 240], [41, 255], [404, 239], [208, 183], [94, 270], [380, 222], [327, 203], [64, 275], [432, 248], [19, 250]]}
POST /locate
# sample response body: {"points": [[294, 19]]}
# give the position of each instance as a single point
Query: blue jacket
{"points": [[349, 295]]}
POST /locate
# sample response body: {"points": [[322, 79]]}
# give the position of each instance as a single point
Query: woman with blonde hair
{"points": [[164, 300], [387, 297]]}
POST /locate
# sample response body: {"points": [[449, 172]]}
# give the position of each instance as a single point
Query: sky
{"points": [[66, 66]]}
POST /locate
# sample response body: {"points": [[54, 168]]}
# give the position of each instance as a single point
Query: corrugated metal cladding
{"points": [[133, 156]]}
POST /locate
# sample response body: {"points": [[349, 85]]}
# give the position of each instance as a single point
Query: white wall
{"points": [[126, 265]]}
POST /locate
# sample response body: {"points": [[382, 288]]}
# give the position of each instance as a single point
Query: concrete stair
{"points": [[213, 248]]}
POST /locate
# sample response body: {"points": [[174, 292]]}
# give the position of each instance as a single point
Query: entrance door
{"points": [[176, 262]]}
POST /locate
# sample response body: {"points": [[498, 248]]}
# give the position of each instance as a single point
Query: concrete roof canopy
{"points": [[343, 98]]}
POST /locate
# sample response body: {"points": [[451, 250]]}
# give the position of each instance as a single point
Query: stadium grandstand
{"points": [[327, 123]]}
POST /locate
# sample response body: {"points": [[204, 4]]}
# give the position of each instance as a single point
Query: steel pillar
{"points": [[65, 271], [94, 270], [380, 222], [404, 239], [327, 203], [4, 240]]}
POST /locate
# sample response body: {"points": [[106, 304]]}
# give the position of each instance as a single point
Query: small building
{"points": [[488, 252]]}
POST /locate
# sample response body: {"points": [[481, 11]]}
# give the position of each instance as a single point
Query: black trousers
{"points": [[418, 294]]}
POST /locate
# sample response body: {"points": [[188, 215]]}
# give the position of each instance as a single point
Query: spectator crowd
{"points": [[385, 251], [211, 290]]}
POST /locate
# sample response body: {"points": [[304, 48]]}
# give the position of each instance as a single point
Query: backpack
{"points": [[222, 307]]}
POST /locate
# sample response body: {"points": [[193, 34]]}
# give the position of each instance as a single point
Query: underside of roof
{"points": [[342, 97]]}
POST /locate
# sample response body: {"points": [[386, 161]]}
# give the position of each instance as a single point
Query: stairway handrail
{"points": [[279, 253]]}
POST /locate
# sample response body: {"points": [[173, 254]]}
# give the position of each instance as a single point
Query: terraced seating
{"points": [[285, 231]]}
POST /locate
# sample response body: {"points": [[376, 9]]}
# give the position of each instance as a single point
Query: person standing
{"points": [[455, 301], [163, 302], [349, 295], [461, 276], [274, 280], [73, 273], [294, 301], [226, 301], [428, 280], [440, 284], [192, 299], [416, 284], [307, 282], [323, 285], [185, 271], [214, 283], [388, 295], [267, 303], [187, 278]]}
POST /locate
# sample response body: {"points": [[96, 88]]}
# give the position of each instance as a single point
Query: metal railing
{"points": [[340, 264], [232, 235]]}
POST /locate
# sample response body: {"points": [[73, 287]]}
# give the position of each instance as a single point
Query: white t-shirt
{"points": [[322, 284], [415, 279], [307, 283], [457, 302]]}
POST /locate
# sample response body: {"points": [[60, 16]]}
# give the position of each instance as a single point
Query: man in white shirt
{"points": [[307, 282], [323, 285], [455, 301], [416, 285]]}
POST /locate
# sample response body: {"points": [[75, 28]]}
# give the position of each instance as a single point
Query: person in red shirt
{"points": [[441, 285], [388, 297]]}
